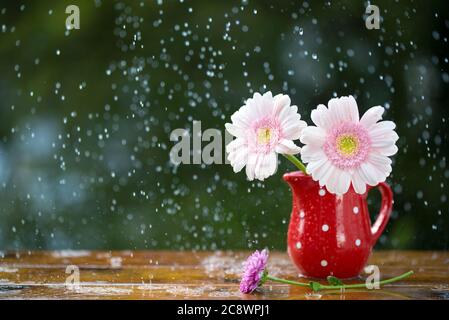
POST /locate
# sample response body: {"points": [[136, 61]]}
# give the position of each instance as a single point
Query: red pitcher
{"points": [[330, 234]]}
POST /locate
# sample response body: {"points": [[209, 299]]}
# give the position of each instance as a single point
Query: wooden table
{"points": [[197, 275]]}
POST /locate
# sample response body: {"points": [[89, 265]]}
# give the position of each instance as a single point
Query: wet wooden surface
{"points": [[198, 275]]}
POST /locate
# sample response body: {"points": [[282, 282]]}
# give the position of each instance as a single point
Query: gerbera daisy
{"points": [[342, 149], [264, 127]]}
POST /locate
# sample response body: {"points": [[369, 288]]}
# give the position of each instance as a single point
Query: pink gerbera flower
{"points": [[254, 268], [264, 127], [342, 149]]}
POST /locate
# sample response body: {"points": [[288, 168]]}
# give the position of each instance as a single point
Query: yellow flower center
{"points": [[263, 135], [347, 145]]}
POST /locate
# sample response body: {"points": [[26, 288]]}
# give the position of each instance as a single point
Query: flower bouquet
{"points": [[343, 156]]}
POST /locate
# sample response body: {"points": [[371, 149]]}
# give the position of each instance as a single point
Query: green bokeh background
{"points": [[86, 115]]}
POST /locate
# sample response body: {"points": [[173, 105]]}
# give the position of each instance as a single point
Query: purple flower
{"points": [[254, 269]]}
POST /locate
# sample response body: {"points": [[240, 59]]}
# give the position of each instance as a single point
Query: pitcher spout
{"points": [[293, 177]]}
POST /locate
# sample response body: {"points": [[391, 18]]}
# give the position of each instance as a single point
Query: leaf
{"points": [[334, 281], [315, 286]]}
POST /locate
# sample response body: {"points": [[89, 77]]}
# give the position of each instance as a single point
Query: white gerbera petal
{"points": [[332, 183], [313, 135], [357, 182], [287, 147], [280, 101], [286, 113], [239, 161], [370, 174], [371, 116], [235, 144], [271, 164], [255, 105], [388, 151], [344, 109], [382, 143], [338, 182], [383, 135], [251, 165], [334, 114], [293, 128], [266, 166], [382, 164], [266, 105], [314, 167], [328, 174], [234, 130], [379, 159], [382, 128], [237, 154], [321, 171], [343, 183], [311, 153], [242, 118], [321, 117], [351, 108]]}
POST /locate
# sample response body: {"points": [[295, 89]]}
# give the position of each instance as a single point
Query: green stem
{"points": [[344, 286], [288, 281], [363, 285], [296, 162]]}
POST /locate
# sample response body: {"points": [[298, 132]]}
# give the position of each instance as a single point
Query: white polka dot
{"points": [[358, 242], [355, 210], [325, 227], [323, 263], [301, 214], [322, 192], [298, 245]]}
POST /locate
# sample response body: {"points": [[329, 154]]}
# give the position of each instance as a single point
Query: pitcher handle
{"points": [[385, 211]]}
